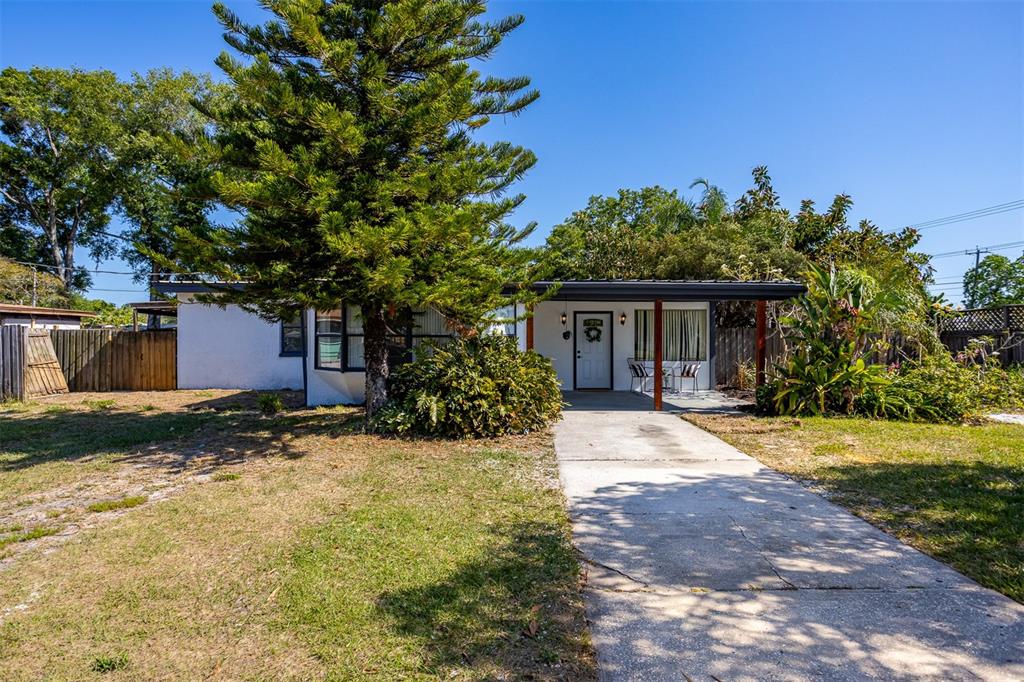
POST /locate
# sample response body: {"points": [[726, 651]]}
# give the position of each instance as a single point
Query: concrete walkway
{"points": [[705, 565]]}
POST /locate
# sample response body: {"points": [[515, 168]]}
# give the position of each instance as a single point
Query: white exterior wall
{"points": [[230, 348], [40, 322], [548, 341]]}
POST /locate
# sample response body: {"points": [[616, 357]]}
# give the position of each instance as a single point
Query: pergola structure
{"points": [[660, 291]]}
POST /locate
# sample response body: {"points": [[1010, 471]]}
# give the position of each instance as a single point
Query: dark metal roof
{"points": [[608, 290], [673, 290], [193, 286]]}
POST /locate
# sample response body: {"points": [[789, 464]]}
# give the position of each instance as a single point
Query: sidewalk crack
{"points": [[762, 554], [615, 570]]}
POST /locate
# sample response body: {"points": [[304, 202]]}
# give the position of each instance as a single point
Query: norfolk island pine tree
{"points": [[346, 146]]}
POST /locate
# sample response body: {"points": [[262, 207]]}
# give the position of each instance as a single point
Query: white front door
{"points": [[593, 350]]}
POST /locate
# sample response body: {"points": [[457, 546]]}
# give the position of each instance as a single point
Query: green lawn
{"points": [[954, 492], [293, 547]]}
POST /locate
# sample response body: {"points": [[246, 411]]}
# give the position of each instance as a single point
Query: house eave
{"points": [[176, 287], [671, 290]]}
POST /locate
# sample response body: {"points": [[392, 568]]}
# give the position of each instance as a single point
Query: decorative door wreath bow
{"points": [[592, 330]]}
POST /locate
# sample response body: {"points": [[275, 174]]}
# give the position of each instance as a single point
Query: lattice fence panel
{"points": [[983, 320]]}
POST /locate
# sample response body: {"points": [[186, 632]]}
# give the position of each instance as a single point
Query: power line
{"points": [[127, 291], [1015, 205], [100, 272], [971, 252], [54, 267]]}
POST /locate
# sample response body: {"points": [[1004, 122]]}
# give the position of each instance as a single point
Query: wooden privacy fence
{"points": [[735, 347], [109, 360], [12, 362]]}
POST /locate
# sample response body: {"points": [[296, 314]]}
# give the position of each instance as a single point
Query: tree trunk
{"points": [[375, 359]]}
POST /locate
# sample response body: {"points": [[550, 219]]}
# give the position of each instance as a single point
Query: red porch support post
{"points": [[529, 328], [762, 331], [658, 378]]}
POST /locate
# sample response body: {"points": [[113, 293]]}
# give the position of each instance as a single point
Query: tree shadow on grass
{"points": [[161, 439], [513, 610], [970, 515]]}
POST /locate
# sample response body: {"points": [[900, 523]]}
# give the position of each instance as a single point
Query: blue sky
{"points": [[915, 109]]}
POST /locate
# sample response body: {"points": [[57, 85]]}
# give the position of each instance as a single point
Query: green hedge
{"points": [[478, 387], [937, 388]]}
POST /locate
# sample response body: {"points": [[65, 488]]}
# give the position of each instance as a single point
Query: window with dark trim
{"points": [[327, 340], [292, 336], [353, 342], [339, 338]]}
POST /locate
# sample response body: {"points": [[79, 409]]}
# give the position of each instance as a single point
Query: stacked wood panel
{"points": [[42, 372]]}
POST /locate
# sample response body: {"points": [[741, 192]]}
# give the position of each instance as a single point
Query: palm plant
{"points": [[831, 333]]}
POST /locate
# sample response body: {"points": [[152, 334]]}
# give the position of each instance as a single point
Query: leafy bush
{"points": [[935, 389], [1004, 388], [831, 332], [943, 388], [482, 386], [270, 403]]}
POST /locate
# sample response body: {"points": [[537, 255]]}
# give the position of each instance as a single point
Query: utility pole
{"points": [[977, 263], [35, 287]]}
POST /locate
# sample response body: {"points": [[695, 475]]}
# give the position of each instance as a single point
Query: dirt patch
{"points": [[226, 430]]}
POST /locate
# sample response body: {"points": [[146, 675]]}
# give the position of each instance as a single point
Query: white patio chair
{"points": [[638, 375], [688, 370]]}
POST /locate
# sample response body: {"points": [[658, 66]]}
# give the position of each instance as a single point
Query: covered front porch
{"points": [[619, 335]]}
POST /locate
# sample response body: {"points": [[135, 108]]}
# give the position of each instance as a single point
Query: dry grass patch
{"points": [[954, 492], [295, 547]]}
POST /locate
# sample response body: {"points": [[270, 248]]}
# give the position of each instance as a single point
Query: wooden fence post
{"points": [[659, 380], [762, 331], [529, 328]]}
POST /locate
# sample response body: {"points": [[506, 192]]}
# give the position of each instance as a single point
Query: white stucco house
{"points": [[591, 331]]}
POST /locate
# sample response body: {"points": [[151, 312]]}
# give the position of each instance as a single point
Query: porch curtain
{"points": [[683, 335]]}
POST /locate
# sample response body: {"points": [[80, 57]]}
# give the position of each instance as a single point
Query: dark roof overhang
{"points": [[672, 290], [165, 308], [602, 290], [28, 310], [194, 287]]}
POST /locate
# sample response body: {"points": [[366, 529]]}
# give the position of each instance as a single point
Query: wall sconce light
{"points": [[622, 318], [565, 318]]}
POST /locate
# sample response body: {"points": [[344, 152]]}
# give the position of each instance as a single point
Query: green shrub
{"points": [[483, 386], [270, 403], [1001, 388], [935, 388]]}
